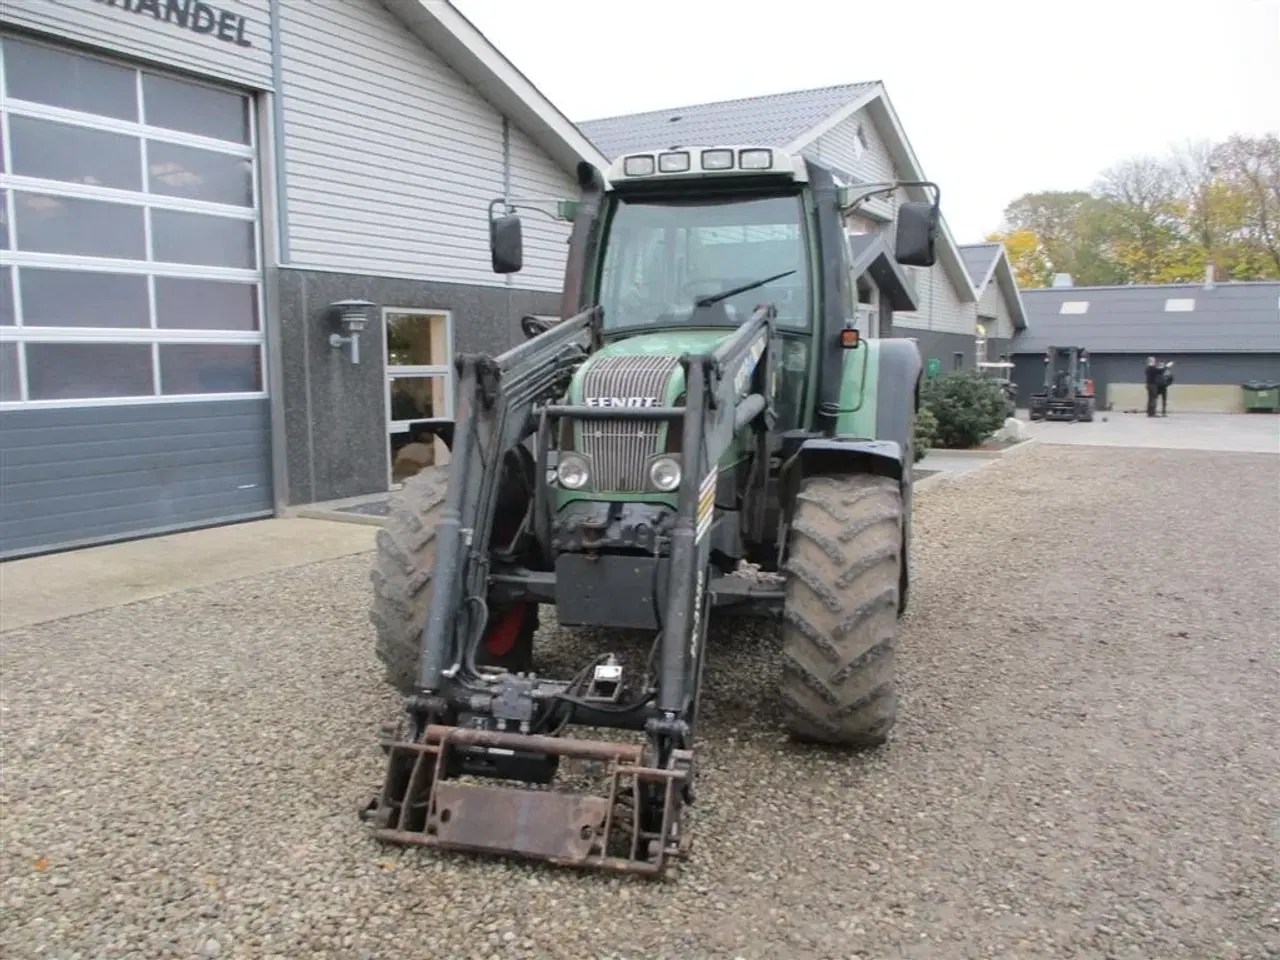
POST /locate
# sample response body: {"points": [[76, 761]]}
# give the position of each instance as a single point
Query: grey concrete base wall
{"points": [[75, 476], [997, 346], [1189, 368], [944, 346], [335, 418]]}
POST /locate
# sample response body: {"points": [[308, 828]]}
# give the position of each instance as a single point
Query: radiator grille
{"points": [[619, 448]]}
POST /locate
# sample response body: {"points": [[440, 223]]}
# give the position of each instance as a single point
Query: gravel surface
{"points": [[1087, 762]]}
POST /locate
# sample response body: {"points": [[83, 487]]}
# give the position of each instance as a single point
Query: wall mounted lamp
{"points": [[353, 315]]}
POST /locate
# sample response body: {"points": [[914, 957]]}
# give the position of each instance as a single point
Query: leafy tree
{"points": [[1251, 166], [1157, 219], [1027, 256]]}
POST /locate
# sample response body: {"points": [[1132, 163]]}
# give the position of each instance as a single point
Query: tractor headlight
{"points": [[664, 473], [572, 472]]}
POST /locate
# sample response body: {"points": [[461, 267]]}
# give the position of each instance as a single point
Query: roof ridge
{"points": [[722, 103]]}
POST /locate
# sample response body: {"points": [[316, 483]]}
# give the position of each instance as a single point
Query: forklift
{"points": [[1067, 393]]}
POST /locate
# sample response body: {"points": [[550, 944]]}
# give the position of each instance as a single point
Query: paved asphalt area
{"points": [[1087, 761]]}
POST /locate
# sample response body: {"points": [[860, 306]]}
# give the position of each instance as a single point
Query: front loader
{"points": [[705, 400]]}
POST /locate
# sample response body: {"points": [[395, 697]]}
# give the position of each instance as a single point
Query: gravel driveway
{"points": [[1087, 762]]}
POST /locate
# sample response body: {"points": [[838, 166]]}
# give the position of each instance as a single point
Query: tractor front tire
{"points": [[841, 613], [402, 575]]}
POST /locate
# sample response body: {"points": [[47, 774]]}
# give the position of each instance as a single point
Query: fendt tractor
{"points": [[706, 400]]}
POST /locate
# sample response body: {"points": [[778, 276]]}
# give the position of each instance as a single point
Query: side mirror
{"points": [[917, 234], [506, 244]]}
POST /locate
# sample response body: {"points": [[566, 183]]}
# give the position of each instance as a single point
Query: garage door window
{"points": [[129, 234]]}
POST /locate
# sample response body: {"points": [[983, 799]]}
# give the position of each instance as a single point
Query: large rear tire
{"points": [[402, 574], [841, 612]]}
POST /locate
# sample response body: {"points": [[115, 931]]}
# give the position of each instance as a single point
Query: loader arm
{"points": [[460, 717], [495, 401]]}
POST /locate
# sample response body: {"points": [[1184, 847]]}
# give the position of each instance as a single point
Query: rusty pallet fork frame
{"points": [[500, 403], [566, 829]]}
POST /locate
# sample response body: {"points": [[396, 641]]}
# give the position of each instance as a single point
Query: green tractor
{"points": [[705, 400]]}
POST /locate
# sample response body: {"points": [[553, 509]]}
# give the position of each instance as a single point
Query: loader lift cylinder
{"points": [[685, 555]]}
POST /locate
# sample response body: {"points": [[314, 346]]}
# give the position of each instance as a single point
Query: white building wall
{"points": [[995, 303], [391, 158], [941, 308]]}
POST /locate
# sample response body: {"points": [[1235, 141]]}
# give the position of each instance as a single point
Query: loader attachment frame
{"points": [[466, 722]]}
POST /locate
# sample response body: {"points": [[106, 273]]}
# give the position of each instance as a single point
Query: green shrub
{"points": [[926, 432], [968, 408]]}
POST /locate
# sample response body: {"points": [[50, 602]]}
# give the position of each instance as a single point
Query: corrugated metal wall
{"points": [[392, 158]]}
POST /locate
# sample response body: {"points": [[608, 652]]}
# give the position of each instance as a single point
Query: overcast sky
{"points": [[997, 97]]}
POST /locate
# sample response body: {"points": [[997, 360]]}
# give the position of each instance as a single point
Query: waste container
{"points": [[1261, 396]]}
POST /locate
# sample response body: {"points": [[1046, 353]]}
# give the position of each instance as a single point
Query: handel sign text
{"points": [[194, 15]]}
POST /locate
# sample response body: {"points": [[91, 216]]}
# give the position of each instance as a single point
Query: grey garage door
{"points": [[132, 394]]}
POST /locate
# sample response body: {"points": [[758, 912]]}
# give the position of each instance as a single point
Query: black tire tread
{"points": [[403, 567], [841, 613]]}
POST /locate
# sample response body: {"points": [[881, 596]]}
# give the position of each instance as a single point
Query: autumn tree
{"points": [[1156, 219], [1026, 252], [1250, 171]]}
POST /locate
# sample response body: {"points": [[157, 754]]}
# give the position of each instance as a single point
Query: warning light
{"points": [[849, 338]]}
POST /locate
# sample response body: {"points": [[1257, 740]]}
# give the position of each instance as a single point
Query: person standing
{"points": [[1155, 373], [1166, 381]]}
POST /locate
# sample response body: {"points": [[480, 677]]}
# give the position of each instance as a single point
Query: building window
{"points": [[957, 361], [130, 265]]}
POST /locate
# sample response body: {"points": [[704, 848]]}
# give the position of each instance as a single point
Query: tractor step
{"points": [[420, 804]]}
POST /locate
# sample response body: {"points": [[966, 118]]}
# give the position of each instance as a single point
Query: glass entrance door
{"points": [[419, 345]]}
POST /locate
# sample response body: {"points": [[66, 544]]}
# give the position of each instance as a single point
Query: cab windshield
{"points": [[664, 257]]}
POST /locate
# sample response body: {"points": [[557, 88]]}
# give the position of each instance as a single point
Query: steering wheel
{"points": [[532, 326]]}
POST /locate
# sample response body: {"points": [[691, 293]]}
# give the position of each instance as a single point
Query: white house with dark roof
{"points": [[1219, 335], [188, 189], [1001, 312], [853, 130]]}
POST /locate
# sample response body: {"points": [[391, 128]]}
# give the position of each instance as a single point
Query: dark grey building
{"points": [[854, 131], [1001, 312], [186, 189], [1219, 335]]}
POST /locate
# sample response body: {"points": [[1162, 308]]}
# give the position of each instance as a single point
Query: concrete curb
{"points": [[1021, 447], [317, 513]]}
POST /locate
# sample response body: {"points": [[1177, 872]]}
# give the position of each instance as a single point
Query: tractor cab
{"points": [[1067, 392], [679, 247]]}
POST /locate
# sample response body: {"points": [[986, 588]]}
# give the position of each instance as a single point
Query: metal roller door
{"points": [[132, 390]]}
